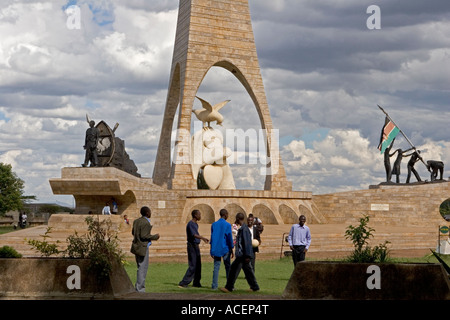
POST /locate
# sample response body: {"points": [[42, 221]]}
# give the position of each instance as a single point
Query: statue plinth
{"points": [[93, 187]]}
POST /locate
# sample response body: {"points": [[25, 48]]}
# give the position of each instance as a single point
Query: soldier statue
{"points": [[90, 145]]}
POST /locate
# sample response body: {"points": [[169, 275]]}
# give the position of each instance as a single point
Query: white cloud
{"points": [[322, 70]]}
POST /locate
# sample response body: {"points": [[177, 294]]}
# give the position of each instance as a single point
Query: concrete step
{"points": [[173, 241]]}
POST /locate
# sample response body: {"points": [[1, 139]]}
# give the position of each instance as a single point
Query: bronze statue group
{"points": [[433, 166]]}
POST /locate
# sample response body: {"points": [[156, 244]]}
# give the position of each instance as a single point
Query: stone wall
{"points": [[393, 205], [272, 207], [36, 278], [93, 187]]}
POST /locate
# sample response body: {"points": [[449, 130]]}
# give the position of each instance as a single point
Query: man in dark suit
{"points": [[254, 230], [142, 239], [244, 253]]}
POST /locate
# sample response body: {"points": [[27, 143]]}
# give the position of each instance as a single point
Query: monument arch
{"points": [[265, 213], [207, 212], [288, 214], [233, 209], [206, 36]]}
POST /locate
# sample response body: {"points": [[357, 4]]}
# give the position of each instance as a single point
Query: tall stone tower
{"points": [[211, 33]]}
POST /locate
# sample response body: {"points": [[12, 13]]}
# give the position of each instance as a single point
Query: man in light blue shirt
{"points": [[299, 240]]}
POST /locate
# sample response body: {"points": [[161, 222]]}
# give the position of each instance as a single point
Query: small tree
{"points": [[11, 190], [360, 236], [100, 244], [43, 246]]}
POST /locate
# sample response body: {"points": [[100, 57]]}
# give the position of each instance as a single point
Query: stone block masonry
{"points": [[393, 205]]}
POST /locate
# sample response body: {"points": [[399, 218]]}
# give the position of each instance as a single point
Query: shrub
{"points": [[9, 252], [44, 247], [99, 244], [360, 236]]}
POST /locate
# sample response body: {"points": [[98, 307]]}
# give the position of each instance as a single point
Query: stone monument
{"points": [[219, 33], [211, 34], [208, 154]]}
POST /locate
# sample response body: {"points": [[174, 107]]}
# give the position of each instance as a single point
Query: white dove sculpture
{"points": [[210, 113]]}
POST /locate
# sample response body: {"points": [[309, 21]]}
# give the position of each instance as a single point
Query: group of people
{"points": [[107, 210], [239, 241], [222, 243]]}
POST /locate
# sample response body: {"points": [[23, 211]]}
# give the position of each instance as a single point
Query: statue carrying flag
{"points": [[388, 134]]}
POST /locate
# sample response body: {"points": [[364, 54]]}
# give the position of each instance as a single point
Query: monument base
{"points": [[94, 187]]}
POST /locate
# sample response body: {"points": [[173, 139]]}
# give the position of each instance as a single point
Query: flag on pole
{"points": [[388, 133]]}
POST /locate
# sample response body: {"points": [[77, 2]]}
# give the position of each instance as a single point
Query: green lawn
{"points": [[7, 229], [272, 275]]}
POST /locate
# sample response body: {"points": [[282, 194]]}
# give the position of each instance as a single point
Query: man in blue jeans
{"points": [[221, 246]]}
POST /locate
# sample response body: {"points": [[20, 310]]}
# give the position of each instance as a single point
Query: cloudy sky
{"points": [[323, 69]]}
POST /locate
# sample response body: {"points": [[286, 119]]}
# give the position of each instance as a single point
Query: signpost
{"points": [[443, 231]]}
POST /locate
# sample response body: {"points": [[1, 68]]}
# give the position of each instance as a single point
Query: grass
{"points": [[272, 275], [6, 229]]}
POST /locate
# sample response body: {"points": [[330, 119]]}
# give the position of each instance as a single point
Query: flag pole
{"points": [[404, 135]]}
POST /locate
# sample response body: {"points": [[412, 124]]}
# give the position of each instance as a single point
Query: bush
{"points": [[360, 236], [99, 244], [44, 247], [9, 252]]}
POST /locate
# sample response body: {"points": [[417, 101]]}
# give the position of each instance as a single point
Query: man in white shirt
{"points": [[299, 240], [106, 209]]}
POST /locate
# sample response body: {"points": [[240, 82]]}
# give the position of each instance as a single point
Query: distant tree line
{"points": [[53, 208]]}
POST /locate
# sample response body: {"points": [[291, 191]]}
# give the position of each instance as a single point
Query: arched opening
{"points": [[206, 211], [264, 213], [287, 214], [307, 213], [96, 203], [233, 209], [241, 128]]}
